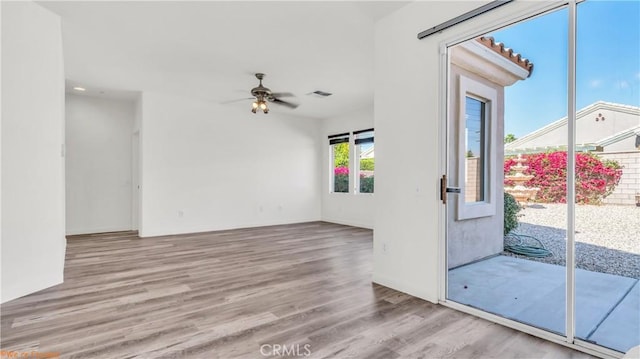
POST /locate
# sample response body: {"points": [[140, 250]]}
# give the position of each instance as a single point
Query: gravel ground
{"points": [[607, 237]]}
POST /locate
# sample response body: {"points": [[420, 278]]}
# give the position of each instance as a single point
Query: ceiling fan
{"points": [[263, 95]]}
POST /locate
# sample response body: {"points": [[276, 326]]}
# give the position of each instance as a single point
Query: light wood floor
{"points": [[224, 294]]}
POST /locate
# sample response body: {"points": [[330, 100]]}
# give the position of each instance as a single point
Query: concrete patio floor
{"points": [[607, 306]]}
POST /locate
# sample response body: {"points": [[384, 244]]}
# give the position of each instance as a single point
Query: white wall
{"points": [[208, 167], [33, 243], [345, 208], [137, 119], [98, 164], [136, 189], [408, 154]]}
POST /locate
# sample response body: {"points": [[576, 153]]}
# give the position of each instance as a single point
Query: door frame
{"points": [[135, 180], [569, 338]]}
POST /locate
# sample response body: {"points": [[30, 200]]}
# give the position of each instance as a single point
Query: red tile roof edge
{"points": [[506, 52]]}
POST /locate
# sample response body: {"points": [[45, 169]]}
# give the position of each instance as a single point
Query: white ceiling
{"points": [[210, 50]]}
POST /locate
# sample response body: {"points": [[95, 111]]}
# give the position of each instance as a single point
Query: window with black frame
{"points": [[339, 145], [364, 151]]}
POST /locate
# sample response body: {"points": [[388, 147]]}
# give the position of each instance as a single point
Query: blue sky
{"points": [[608, 67]]}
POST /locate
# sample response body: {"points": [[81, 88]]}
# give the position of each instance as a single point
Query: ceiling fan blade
{"points": [[282, 94], [284, 103], [237, 100]]}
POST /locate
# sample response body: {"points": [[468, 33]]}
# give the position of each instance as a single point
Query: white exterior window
{"points": [[339, 163], [364, 161], [476, 148]]}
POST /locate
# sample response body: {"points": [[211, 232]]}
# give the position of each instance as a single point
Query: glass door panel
{"points": [[607, 306], [506, 252]]}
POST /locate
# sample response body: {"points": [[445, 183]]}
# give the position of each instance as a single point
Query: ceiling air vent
{"points": [[320, 94]]}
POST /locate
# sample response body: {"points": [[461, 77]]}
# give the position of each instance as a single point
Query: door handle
{"points": [[444, 189]]}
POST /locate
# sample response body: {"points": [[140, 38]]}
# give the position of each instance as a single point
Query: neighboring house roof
{"points": [[584, 114], [507, 53], [622, 135], [368, 153]]}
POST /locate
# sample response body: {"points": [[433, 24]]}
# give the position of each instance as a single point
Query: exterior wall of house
{"points": [[629, 184], [465, 242], [616, 119], [627, 144], [588, 130]]}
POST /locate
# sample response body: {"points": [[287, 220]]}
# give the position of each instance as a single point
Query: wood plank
{"points": [[224, 294]]}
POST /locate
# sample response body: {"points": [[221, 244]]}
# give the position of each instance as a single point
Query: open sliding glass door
{"points": [[531, 275], [480, 273]]}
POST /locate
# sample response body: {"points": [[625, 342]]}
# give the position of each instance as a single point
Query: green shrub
{"points": [[367, 164], [366, 184], [341, 154], [341, 183], [511, 209]]}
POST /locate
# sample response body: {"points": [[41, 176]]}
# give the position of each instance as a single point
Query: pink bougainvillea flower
{"points": [[341, 170], [595, 178]]}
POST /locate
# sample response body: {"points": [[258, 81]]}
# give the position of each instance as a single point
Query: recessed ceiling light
{"points": [[78, 88]]}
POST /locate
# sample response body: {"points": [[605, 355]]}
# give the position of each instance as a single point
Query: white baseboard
{"points": [[201, 229], [348, 223], [77, 231]]}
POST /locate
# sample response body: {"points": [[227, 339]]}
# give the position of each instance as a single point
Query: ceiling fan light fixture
{"points": [[260, 105], [263, 95]]}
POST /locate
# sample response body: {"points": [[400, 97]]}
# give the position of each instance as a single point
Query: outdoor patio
{"points": [[534, 293], [532, 290]]}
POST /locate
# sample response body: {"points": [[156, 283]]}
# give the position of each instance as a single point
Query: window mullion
{"points": [[353, 172]]}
